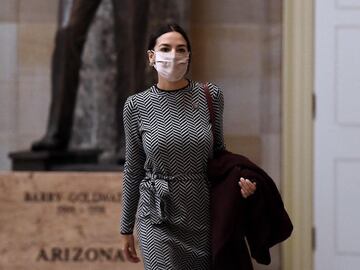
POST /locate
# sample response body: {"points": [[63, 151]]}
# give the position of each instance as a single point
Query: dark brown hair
{"points": [[171, 27]]}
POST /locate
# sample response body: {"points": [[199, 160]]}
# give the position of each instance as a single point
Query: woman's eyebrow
{"points": [[168, 45]]}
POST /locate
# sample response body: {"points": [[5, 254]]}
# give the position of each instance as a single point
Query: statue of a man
{"points": [[130, 23]]}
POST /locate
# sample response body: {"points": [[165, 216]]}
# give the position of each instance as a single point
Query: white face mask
{"points": [[171, 66]]}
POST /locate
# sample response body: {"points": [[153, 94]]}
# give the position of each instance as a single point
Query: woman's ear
{"points": [[151, 56]]}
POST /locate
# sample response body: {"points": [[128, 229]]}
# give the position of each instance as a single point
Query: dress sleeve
{"points": [[218, 105], [133, 167]]}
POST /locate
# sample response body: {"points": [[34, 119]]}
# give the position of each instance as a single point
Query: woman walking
{"points": [[168, 142]]}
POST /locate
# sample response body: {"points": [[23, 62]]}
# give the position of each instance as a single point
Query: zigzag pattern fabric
{"points": [[168, 142]]}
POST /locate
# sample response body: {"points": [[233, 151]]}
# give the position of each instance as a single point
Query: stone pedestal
{"points": [[61, 221]]}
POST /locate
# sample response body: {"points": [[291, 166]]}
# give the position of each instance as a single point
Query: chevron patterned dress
{"points": [[165, 187]]}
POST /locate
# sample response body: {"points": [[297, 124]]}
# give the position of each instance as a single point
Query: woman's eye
{"points": [[164, 49], [182, 50]]}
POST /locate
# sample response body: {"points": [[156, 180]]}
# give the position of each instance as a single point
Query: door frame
{"points": [[297, 131]]}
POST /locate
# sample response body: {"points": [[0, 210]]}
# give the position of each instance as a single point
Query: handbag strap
{"points": [[210, 107]]}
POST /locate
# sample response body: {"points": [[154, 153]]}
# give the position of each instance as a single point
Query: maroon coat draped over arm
{"points": [[261, 218]]}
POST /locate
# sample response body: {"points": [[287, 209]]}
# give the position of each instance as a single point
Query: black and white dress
{"points": [[168, 142]]}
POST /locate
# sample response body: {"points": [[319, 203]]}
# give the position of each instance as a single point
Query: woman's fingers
{"points": [[247, 187], [132, 256], [129, 249]]}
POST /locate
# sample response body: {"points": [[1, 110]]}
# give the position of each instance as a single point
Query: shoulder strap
{"points": [[210, 106]]}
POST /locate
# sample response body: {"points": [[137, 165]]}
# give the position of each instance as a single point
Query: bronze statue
{"points": [[130, 22]]}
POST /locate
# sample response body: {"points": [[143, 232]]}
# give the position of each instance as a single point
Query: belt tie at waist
{"points": [[160, 194]]}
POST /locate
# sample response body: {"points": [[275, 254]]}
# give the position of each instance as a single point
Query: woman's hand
{"points": [[128, 247], [247, 187]]}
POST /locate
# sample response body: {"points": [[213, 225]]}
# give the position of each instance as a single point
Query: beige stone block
{"points": [[228, 11], [273, 47], [8, 10], [36, 43], [233, 57], [271, 156], [274, 10], [38, 11], [271, 86], [242, 111], [229, 51], [61, 221], [249, 146], [33, 104], [8, 95], [270, 107], [8, 52]]}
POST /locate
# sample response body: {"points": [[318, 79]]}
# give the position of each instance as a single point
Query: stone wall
{"points": [[27, 30], [237, 45]]}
